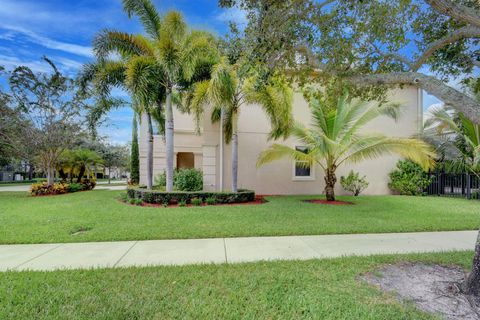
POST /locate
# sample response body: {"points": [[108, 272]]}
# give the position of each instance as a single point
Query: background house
{"points": [[206, 152]]}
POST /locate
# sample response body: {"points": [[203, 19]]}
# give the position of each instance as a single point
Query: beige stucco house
{"points": [[207, 153]]}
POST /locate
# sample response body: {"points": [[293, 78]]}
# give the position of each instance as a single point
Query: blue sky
{"points": [[63, 31]]}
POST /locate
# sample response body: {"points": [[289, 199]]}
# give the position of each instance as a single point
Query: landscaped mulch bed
{"points": [[258, 200]]}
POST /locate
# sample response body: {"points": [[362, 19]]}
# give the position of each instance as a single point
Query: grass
{"points": [[25, 219], [315, 289]]}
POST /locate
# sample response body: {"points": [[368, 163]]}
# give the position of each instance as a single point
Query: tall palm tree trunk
{"points": [[234, 154], [149, 152], [169, 127], [472, 284], [330, 180]]}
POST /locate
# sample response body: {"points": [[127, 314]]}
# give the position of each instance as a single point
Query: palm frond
{"points": [[276, 98], [278, 151], [199, 101], [147, 13], [373, 146], [109, 42]]}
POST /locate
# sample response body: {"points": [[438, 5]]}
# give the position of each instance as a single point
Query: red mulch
{"points": [[333, 203], [258, 200]]}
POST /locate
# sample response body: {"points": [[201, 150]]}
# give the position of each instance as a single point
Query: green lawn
{"points": [[25, 219], [315, 289]]}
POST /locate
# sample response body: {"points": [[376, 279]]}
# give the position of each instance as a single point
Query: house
{"points": [[207, 153]]}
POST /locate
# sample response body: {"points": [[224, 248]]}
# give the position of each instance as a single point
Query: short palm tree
{"points": [[79, 162], [456, 137], [334, 138], [227, 91]]}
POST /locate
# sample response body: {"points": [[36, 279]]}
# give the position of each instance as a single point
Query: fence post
{"points": [[469, 189]]}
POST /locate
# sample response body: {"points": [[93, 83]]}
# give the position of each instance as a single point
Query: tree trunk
{"points": [[81, 173], [134, 162], [458, 100], [149, 152], [30, 171], [330, 180], [169, 152], [234, 155], [109, 175], [50, 175], [472, 284], [62, 174]]}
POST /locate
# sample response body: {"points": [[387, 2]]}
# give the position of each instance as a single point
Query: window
{"points": [[303, 169]]}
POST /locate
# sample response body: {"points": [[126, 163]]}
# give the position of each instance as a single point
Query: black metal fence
{"points": [[463, 185]]}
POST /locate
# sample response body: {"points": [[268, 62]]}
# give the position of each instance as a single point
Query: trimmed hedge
{"points": [[161, 197]]}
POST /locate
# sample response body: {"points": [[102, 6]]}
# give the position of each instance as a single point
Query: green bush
{"points": [[353, 183], [409, 178], [196, 202], [211, 201], [188, 180], [160, 179], [182, 203], [162, 197], [183, 180], [74, 187]]}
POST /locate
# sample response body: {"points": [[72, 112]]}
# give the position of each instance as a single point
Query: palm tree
{"points": [[227, 91], [105, 74], [335, 138], [79, 162], [456, 137], [174, 54]]}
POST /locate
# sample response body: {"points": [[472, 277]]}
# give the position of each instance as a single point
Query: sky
{"points": [[63, 31]]}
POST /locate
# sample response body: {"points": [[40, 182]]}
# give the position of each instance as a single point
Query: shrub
{"points": [[188, 180], [353, 183], [182, 203], [43, 189], [211, 201], [161, 197], [74, 187], [88, 184], [161, 179], [183, 180], [409, 178], [196, 202]]}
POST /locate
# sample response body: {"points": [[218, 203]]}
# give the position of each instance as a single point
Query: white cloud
{"points": [[234, 14], [49, 43]]}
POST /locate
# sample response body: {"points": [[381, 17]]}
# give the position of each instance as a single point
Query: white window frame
{"points": [[311, 177]]}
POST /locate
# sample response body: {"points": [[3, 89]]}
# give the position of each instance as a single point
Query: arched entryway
{"points": [[185, 160]]}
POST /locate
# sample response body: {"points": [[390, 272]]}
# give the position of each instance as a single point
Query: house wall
{"points": [[278, 177]]}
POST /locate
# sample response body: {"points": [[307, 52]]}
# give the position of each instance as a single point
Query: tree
{"points": [[105, 74], [456, 137], [335, 139], [49, 105], [371, 43], [178, 53], [78, 162], [134, 160], [113, 156], [228, 90]]}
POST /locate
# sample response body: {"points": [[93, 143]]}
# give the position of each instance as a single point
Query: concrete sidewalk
{"points": [[224, 250]]}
